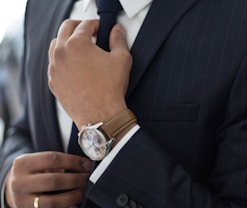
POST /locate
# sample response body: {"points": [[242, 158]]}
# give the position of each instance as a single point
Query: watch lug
{"points": [[109, 143], [95, 126]]}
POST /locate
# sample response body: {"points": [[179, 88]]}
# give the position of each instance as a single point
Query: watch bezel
{"points": [[96, 131]]}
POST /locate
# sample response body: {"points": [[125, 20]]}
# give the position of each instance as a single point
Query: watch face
{"points": [[93, 144]]}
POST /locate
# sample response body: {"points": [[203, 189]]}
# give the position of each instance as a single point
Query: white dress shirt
{"points": [[132, 17]]}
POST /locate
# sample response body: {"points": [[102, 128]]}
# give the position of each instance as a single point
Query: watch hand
{"points": [[89, 147]]}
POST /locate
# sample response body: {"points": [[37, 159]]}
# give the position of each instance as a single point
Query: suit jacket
{"points": [[188, 90]]}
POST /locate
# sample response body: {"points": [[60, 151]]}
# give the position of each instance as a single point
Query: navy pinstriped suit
{"points": [[188, 89]]}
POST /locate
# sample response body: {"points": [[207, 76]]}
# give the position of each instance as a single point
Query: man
{"points": [[186, 86]]}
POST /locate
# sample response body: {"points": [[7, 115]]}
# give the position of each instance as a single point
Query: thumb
{"points": [[118, 39]]}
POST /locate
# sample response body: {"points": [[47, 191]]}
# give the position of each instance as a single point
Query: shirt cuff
{"points": [[108, 159]]}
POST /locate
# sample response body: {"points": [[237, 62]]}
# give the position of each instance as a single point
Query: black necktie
{"points": [[73, 147], [108, 11]]}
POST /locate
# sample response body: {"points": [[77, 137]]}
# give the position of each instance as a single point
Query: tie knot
{"points": [[108, 6]]}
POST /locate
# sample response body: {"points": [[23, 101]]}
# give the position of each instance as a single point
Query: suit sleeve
{"points": [[18, 140], [151, 177], [16, 143]]}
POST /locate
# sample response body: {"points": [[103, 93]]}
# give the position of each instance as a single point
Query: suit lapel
{"points": [[61, 12], [161, 18], [58, 11], [54, 14]]}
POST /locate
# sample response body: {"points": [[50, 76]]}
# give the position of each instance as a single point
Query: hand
{"points": [[40, 174], [89, 82]]}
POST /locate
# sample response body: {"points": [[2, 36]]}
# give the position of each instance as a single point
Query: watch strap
{"points": [[118, 123]]}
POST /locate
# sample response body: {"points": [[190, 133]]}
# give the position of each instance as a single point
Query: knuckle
{"points": [[76, 196], [50, 84], [53, 182], [53, 158], [83, 181], [19, 163], [79, 195], [49, 203], [16, 185], [51, 75], [72, 44], [19, 202], [117, 35], [51, 70], [58, 52], [125, 54], [80, 180], [16, 164], [53, 43], [68, 22], [126, 57]]}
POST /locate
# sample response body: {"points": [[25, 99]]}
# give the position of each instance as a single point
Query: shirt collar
{"points": [[131, 7], [86, 4]]}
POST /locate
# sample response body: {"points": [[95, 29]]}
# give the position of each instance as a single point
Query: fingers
{"points": [[63, 200], [119, 48], [73, 30], [49, 182], [64, 32], [37, 173], [86, 29], [38, 162], [118, 39], [51, 50], [66, 29]]}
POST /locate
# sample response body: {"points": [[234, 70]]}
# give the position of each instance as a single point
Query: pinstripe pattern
{"points": [[190, 97], [188, 90]]}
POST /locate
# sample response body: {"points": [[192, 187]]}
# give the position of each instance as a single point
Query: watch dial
{"points": [[93, 144]]}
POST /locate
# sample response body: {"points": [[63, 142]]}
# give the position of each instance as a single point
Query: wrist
{"points": [[96, 140], [102, 115]]}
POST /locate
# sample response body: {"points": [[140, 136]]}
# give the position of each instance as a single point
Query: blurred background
{"points": [[11, 50]]}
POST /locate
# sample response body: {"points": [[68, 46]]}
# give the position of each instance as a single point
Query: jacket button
{"points": [[122, 200], [131, 204]]}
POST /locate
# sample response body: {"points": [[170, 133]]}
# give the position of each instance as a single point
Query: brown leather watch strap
{"points": [[118, 123]]}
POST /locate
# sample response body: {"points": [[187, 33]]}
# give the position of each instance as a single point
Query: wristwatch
{"points": [[96, 140]]}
